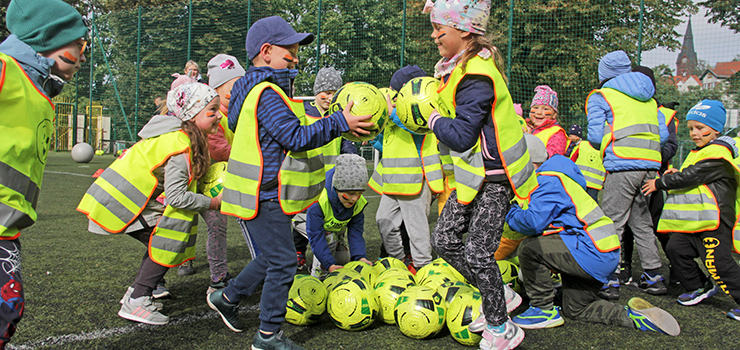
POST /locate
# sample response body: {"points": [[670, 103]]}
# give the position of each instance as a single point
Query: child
{"points": [[170, 158], [575, 238], [44, 50], [630, 145], [700, 209], [543, 114], [407, 176], [488, 151], [574, 135], [262, 185], [334, 225]]}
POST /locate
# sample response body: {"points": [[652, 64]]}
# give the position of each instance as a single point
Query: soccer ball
{"points": [[306, 300], [436, 280], [449, 290], [397, 272], [82, 152], [510, 274], [458, 276], [340, 275], [388, 291], [366, 271], [368, 101], [463, 310], [420, 312], [388, 91], [353, 305], [386, 263], [416, 101], [212, 183]]}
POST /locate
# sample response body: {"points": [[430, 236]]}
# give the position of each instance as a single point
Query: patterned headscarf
{"points": [[187, 100], [544, 95], [466, 15]]}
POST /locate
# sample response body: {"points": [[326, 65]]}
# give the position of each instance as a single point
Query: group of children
{"points": [[290, 175]]}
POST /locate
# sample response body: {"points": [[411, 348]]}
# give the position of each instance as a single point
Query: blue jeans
{"points": [[275, 266]]}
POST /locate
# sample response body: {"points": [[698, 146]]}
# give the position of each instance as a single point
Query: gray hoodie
{"points": [[36, 66], [172, 179]]}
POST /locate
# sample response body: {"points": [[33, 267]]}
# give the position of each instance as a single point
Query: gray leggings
{"points": [[483, 221], [150, 273]]}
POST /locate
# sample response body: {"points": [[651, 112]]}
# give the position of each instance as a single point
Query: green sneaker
{"points": [[277, 341], [536, 318], [650, 318]]}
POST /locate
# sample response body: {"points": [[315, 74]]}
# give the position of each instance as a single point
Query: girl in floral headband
{"points": [[171, 157], [478, 127], [543, 114]]}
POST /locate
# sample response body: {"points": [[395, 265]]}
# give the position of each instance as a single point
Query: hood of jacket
{"points": [[255, 75], [36, 66], [634, 84], [159, 125], [566, 166]]}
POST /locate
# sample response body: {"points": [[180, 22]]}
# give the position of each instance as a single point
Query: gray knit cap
{"points": [[327, 79], [350, 173], [537, 150], [223, 68]]}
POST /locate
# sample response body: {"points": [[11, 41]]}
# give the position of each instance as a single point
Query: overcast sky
{"points": [[712, 42]]}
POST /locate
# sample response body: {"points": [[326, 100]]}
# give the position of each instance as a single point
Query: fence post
{"points": [[92, 69], [138, 64], [639, 34], [511, 35], [115, 87], [190, 24], [74, 110], [318, 40], [249, 25], [403, 34]]}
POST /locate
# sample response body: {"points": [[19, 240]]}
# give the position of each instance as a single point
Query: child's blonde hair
{"points": [[479, 42]]}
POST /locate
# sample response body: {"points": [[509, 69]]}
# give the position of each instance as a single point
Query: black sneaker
{"points": [[695, 297], [220, 284], [625, 274], [653, 285], [301, 257], [229, 313], [186, 269], [277, 341], [610, 291]]}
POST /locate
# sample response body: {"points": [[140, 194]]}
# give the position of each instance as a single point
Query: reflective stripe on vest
{"points": [[173, 239], [26, 128], [119, 195], [695, 209], [591, 165], [634, 132], [546, 134], [401, 171], [597, 225], [512, 148], [331, 223], [301, 175]]}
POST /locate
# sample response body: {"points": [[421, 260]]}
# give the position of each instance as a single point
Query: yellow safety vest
{"points": [[26, 126], [331, 224], [512, 148], [574, 151], [122, 192], [591, 165], [224, 125], [669, 115], [332, 149], [546, 134], [301, 176], [597, 225], [695, 209], [634, 132], [401, 171]]}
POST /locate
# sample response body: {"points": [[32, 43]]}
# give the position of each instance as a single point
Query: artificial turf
{"points": [[73, 280]]}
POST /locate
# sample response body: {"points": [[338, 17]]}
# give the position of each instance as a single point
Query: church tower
{"points": [[687, 61]]}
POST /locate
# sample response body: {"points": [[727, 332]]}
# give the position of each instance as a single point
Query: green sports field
{"points": [[74, 279]]}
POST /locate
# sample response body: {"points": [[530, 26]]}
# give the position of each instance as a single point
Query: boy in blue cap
{"points": [[700, 209], [44, 51], [267, 181]]}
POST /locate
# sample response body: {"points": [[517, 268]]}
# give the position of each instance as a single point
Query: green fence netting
{"points": [[135, 50]]}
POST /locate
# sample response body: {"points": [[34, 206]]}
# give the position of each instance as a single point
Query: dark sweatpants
{"points": [[538, 256], [715, 250], [11, 292], [483, 220], [150, 273]]}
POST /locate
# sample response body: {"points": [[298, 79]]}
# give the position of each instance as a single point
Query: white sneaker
{"points": [[509, 339], [130, 290], [142, 311], [513, 300]]}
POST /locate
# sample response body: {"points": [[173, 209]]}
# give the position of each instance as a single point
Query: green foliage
{"points": [[725, 12]]}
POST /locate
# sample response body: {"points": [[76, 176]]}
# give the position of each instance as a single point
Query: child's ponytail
{"points": [[476, 44], [201, 159]]}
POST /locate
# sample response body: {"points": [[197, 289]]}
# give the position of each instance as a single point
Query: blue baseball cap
{"points": [[710, 113], [274, 31]]}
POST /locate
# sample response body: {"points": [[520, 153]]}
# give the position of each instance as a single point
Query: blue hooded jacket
{"points": [[635, 85], [548, 206], [36, 66], [315, 227]]}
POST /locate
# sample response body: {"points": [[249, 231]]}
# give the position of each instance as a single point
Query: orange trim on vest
{"points": [[32, 83]]}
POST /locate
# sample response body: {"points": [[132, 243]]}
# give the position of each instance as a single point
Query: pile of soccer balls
{"points": [[420, 305]]}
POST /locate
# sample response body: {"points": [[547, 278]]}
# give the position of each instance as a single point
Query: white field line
{"points": [[107, 333], [66, 173]]}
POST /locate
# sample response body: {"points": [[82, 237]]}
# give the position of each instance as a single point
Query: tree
{"points": [[725, 12]]}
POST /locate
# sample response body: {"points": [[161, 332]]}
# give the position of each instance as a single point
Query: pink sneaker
{"points": [[513, 300], [509, 339]]}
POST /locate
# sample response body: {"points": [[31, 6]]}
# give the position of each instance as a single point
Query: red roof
{"points": [[726, 69], [680, 78]]}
